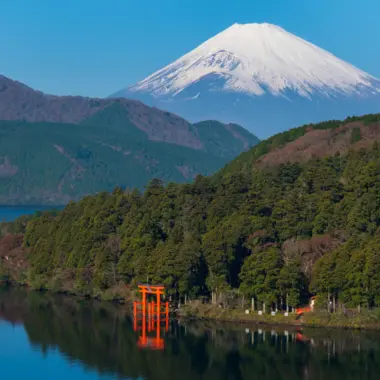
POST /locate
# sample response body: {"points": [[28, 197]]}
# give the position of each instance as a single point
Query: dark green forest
{"points": [[274, 233], [271, 233]]}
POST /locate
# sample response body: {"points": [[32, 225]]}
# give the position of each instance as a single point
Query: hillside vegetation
{"points": [[259, 228], [59, 148], [53, 163]]}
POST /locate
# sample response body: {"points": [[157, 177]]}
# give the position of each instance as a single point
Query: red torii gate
{"points": [[157, 290], [154, 316]]}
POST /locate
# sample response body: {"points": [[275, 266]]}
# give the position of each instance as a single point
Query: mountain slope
{"points": [[250, 73], [307, 142], [20, 102], [45, 163], [54, 149]]}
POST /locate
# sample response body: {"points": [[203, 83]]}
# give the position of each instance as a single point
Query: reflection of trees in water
{"points": [[100, 336]]}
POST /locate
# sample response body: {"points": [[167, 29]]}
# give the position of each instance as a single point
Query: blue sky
{"points": [[96, 47]]}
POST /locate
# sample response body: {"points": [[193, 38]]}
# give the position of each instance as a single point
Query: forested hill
{"points": [[299, 213], [309, 141], [54, 149]]}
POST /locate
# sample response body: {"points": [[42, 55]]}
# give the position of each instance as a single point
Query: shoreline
{"points": [[206, 312], [363, 321]]}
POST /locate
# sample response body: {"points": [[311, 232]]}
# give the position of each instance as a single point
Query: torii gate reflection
{"points": [[149, 314]]}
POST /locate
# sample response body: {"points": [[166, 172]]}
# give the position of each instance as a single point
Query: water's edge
{"points": [[214, 314]]}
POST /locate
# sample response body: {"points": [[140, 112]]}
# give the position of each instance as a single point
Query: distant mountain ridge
{"points": [[261, 77], [20, 102], [56, 149]]}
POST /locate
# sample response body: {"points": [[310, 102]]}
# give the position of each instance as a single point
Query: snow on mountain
{"points": [[256, 58], [245, 64]]}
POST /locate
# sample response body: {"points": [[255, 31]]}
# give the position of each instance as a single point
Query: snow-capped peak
{"points": [[256, 59]]}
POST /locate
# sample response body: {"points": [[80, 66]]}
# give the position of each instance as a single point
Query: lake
{"points": [[9, 213], [55, 337]]}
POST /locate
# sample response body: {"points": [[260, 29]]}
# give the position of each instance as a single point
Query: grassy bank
{"points": [[363, 320]]}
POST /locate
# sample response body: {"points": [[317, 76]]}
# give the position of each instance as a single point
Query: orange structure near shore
{"points": [[308, 308], [151, 314]]}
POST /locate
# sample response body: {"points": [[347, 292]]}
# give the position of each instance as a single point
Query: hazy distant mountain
{"points": [[53, 149], [262, 77]]}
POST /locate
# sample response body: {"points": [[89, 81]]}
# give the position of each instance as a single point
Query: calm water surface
{"points": [[9, 213], [51, 337]]}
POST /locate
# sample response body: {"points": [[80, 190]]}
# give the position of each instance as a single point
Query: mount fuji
{"points": [[262, 77]]}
